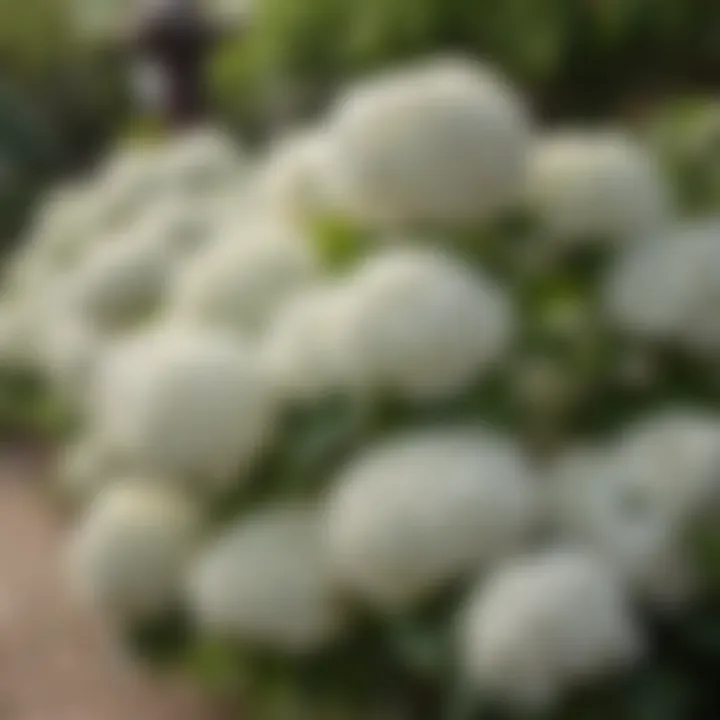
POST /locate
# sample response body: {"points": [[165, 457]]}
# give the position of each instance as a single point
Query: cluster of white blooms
{"points": [[87, 468], [102, 254], [70, 353], [416, 323], [240, 282], [632, 502], [188, 404], [596, 186], [422, 324], [131, 550], [295, 178], [193, 304], [543, 623], [62, 229], [423, 509], [267, 581], [443, 141], [119, 282], [304, 351], [669, 290]]}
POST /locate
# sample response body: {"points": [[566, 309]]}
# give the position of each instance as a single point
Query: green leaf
{"points": [[217, 665], [339, 242], [160, 641]]}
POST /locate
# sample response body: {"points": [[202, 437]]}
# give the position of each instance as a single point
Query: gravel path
{"points": [[57, 661]]}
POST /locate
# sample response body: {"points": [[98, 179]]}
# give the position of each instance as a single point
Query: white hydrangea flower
{"points": [[425, 509], [121, 281], [304, 349], [294, 178], [193, 166], [441, 141], [542, 624], [240, 284], [86, 468], [423, 324], [64, 228], [266, 581], [185, 403], [130, 552], [596, 185], [185, 228], [69, 352], [683, 447], [27, 270], [201, 160], [633, 502], [130, 181], [670, 290]]}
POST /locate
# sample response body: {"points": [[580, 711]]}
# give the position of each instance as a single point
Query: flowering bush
{"points": [[415, 412]]}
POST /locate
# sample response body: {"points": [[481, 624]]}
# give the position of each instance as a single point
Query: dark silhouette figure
{"points": [[178, 38]]}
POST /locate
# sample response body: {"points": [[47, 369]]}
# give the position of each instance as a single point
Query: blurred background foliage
{"points": [[76, 87], [585, 58], [61, 103]]}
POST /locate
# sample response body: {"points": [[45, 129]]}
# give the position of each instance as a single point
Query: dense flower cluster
{"points": [[596, 186], [338, 384], [540, 624]]}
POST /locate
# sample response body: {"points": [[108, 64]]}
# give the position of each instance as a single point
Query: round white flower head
{"points": [[542, 624], [670, 290], [633, 502], [121, 282], [130, 551], [596, 185], [423, 324], [69, 353], [65, 225], [183, 228], [201, 160], [186, 404], [239, 284], [28, 270], [265, 581], [131, 180], [294, 177], [304, 349], [441, 141], [87, 468], [426, 509]]}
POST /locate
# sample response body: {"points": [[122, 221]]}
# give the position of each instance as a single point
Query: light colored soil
{"points": [[57, 659]]}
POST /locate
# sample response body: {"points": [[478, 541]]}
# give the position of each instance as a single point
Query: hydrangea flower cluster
{"points": [[387, 401]]}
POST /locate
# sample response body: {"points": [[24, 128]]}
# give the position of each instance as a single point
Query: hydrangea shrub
{"points": [[413, 414]]}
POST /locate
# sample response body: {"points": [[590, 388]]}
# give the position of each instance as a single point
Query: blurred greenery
{"points": [[28, 156], [686, 135], [74, 85], [61, 103], [576, 57], [28, 409]]}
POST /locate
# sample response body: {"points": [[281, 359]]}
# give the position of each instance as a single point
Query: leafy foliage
{"points": [[574, 57], [686, 133]]}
